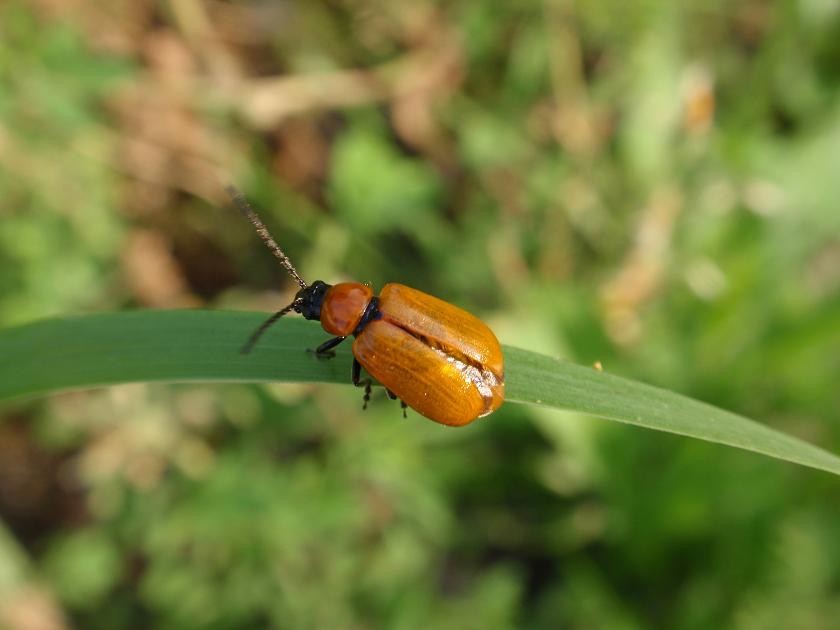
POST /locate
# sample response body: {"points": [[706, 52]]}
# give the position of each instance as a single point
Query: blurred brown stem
{"points": [[266, 102]]}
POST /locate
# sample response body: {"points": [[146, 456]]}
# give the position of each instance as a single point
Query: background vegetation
{"points": [[652, 185]]}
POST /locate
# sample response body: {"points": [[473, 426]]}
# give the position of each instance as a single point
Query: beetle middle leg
{"points": [[358, 381], [325, 350], [403, 404], [356, 377]]}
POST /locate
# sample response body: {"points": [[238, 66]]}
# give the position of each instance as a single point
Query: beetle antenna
{"points": [[245, 208], [249, 345]]}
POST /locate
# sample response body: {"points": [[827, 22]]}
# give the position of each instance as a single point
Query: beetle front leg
{"points": [[325, 350], [356, 377]]}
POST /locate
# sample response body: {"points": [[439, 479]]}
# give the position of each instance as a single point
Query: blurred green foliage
{"points": [[57, 195], [651, 185]]}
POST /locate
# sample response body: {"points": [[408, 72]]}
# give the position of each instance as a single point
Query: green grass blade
{"points": [[183, 346], [537, 379]]}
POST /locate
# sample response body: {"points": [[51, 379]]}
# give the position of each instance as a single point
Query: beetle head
{"points": [[309, 299]]}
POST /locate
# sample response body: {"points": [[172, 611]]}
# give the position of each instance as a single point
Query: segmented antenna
{"points": [[244, 207], [249, 345]]}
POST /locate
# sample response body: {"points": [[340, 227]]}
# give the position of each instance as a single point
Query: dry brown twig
{"points": [[265, 102]]}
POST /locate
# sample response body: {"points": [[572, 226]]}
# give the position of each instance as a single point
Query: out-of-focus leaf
{"points": [[373, 187]]}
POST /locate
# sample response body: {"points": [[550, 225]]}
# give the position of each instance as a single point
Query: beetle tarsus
{"points": [[356, 377], [366, 397], [403, 404]]}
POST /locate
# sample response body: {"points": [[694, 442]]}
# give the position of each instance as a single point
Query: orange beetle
{"points": [[441, 361]]}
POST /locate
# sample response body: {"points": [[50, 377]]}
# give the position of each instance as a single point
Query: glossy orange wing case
{"points": [[442, 361]]}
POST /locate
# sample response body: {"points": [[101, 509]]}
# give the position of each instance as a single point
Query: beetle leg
{"points": [[403, 405], [366, 397], [356, 377], [356, 373], [325, 350]]}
